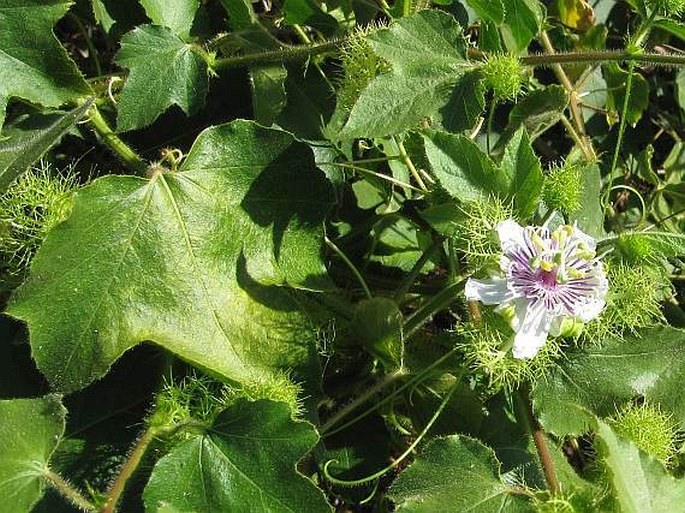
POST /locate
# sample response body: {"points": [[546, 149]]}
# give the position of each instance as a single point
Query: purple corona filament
{"points": [[547, 278]]}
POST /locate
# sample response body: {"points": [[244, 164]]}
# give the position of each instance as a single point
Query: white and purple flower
{"points": [[548, 278]]}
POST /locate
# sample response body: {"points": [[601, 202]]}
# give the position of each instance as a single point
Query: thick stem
{"points": [[599, 57], [114, 143], [67, 490], [293, 53], [533, 426], [117, 488]]}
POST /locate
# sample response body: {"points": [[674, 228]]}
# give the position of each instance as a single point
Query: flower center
{"points": [[547, 279]]}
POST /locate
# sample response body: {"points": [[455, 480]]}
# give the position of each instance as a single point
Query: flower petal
{"points": [[532, 333], [493, 292], [591, 309], [510, 235]]}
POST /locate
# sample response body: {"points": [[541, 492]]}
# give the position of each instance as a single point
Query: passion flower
{"points": [[548, 280]]}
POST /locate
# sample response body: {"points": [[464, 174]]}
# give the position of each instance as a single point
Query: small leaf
{"points": [[40, 72], [537, 112], [522, 165], [590, 217], [192, 260], [577, 14], [595, 381], [377, 325], [488, 10], [522, 22], [28, 140], [427, 54], [640, 483], [31, 429], [246, 461], [177, 15], [458, 473], [164, 71], [462, 168]]}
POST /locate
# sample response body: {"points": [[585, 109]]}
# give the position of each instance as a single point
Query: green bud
{"points": [[476, 233], [634, 249], [650, 429], [503, 74], [563, 188]]}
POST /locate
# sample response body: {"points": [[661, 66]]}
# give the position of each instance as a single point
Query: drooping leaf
{"points": [[31, 429], [523, 166], [462, 168], [522, 22], [596, 381], [458, 473], [377, 325], [27, 141], [190, 260], [427, 54], [245, 461], [163, 71], [590, 217], [177, 15], [640, 483], [35, 67], [537, 112], [489, 10]]}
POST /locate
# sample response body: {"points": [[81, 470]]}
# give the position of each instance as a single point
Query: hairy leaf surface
{"points": [[163, 71], [244, 462], [34, 65], [31, 429], [190, 260]]}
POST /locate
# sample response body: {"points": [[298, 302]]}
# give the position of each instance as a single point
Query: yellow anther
{"points": [[546, 265]]}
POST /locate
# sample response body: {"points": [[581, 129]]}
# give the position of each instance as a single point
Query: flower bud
{"points": [[650, 429], [563, 188], [503, 74]]}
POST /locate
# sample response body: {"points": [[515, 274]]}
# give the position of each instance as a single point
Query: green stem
{"points": [[67, 490], [363, 170], [415, 270], [410, 165], [117, 488], [114, 143], [624, 111], [293, 53], [600, 57], [416, 380], [438, 302], [491, 117], [409, 449], [349, 264], [368, 394]]}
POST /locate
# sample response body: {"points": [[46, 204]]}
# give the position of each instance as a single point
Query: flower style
{"points": [[548, 278]]}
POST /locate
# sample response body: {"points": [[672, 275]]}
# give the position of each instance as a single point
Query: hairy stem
{"points": [[67, 490], [114, 143], [599, 57], [117, 488], [293, 53]]}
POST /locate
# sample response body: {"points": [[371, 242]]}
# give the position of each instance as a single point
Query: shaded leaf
{"points": [[522, 22], [244, 462], [191, 260], [641, 484], [377, 325], [28, 140], [163, 71], [41, 72], [537, 112], [590, 217], [427, 54], [595, 381], [488, 10], [457, 471], [177, 15], [31, 429], [462, 168], [521, 164]]}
